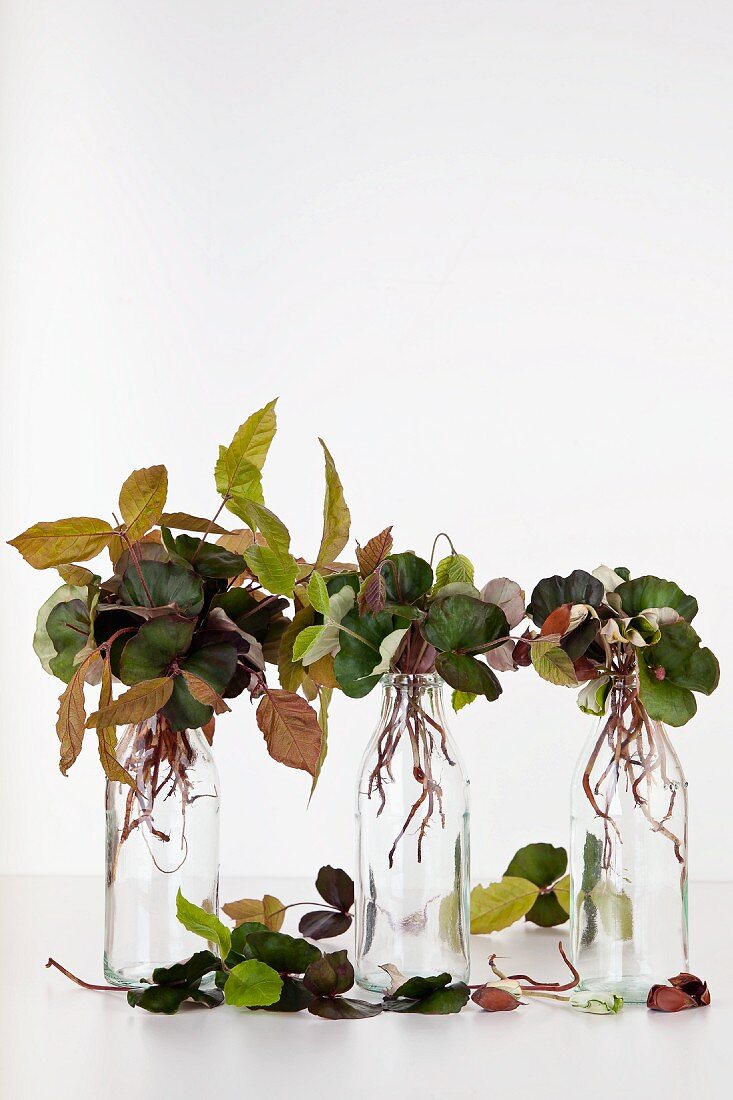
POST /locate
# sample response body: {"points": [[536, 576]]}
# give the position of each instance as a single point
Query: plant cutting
{"points": [[629, 645], [182, 625], [534, 886], [396, 620]]}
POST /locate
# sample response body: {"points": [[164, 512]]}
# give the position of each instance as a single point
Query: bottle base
{"points": [[379, 981], [633, 989]]}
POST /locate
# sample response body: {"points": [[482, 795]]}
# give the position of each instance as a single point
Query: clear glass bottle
{"points": [[412, 820], [162, 835], [628, 852]]}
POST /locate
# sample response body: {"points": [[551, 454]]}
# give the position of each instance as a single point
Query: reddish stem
{"points": [[87, 985]]}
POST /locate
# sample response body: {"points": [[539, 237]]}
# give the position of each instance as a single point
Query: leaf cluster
{"points": [[589, 623], [534, 886]]}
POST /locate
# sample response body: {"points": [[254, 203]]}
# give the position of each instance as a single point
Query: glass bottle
{"points": [[162, 835], [628, 852], [412, 820]]}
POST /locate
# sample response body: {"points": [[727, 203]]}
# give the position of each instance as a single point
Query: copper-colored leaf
{"points": [[290, 726], [208, 730], [372, 594], [72, 716], [268, 910], [204, 693], [107, 736], [76, 574], [375, 551], [141, 701], [321, 672], [557, 621], [236, 542], [181, 521], [63, 541], [291, 673], [336, 515], [142, 499]]}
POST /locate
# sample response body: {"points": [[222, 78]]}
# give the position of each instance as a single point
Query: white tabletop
{"points": [[58, 1041]]}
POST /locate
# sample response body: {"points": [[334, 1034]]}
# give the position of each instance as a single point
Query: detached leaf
{"points": [[207, 925], [290, 726], [285, 954], [142, 701], [142, 499], [336, 887], [63, 541], [168, 999], [336, 516], [553, 664], [268, 910], [343, 1008], [323, 924], [374, 552], [429, 996], [500, 904], [541, 864], [72, 716], [330, 975], [252, 984]]}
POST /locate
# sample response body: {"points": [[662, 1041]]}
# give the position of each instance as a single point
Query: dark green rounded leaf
{"points": [[167, 582], [68, 626], [149, 653], [442, 1002], [418, 987], [547, 911], [469, 674], [283, 953], [241, 932], [553, 592], [208, 559], [182, 711], [645, 592], [407, 578], [185, 973], [342, 1008], [461, 623], [542, 864], [294, 997], [158, 998], [356, 658]]}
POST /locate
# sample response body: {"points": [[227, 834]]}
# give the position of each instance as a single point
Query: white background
{"points": [[483, 248]]}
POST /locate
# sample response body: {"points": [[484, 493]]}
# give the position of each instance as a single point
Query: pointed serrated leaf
{"points": [[70, 723], [374, 552], [336, 516], [107, 736], [142, 499], [63, 541], [267, 910], [500, 904], [291, 730], [204, 693], [141, 701]]}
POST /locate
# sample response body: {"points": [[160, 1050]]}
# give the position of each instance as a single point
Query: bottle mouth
{"points": [[411, 680]]}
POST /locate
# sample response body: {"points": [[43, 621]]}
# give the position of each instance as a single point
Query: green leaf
{"points": [[357, 656], [259, 518], [324, 700], [274, 571], [290, 673], [142, 499], [169, 584], [141, 701], [547, 911], [416, 988], [336, 516], [63, 541], [562, 893], [461, 699], [307, 638], [253, 984], [456, 568], [442, 1002], [208, 559], [285, 954], [149, 652], [246, 452], [541, 864], [42, 644], [318, 593], [468, 675], [407, 578], [592, 853], [553, 663], [167, 1000], [500, 904], [553, 592], [216, 664], [646, 592], [207, 925], [462, 623], [294, 997], [616, 910], [68, 626], [671, 670], [186, 973]]}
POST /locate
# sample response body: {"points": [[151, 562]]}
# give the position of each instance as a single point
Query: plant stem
{"points": [[87, 985], [211, 524], [441, 535]]}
